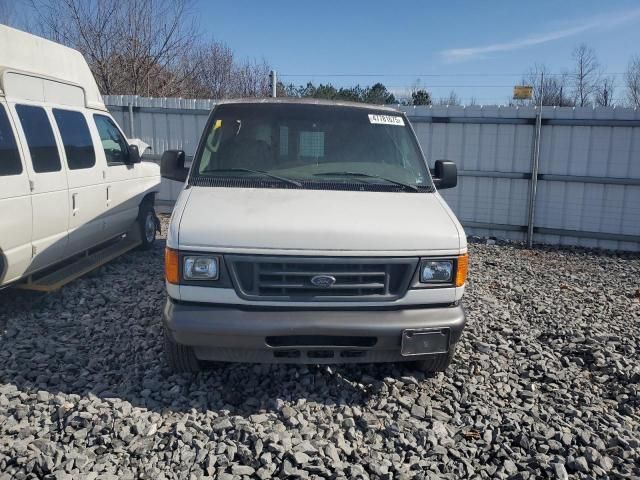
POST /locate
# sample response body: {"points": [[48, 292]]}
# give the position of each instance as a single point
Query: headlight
{"points": [[200, 268], [436, 271]]}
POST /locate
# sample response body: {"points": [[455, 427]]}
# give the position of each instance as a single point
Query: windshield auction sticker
{"points": [[386, 120]]}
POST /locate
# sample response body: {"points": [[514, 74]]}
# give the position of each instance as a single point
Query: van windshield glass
{"points": [[312, 143]]}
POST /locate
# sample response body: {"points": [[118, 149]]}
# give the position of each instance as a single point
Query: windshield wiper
{"points": [[259, 172], [367, 175]]}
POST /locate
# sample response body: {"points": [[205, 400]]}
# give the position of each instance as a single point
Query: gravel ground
{"points": [[545, 384]]}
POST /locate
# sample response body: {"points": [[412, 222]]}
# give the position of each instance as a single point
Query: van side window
{"points": [[114, 144], [76, 139], [40, 139], [10, 163]]}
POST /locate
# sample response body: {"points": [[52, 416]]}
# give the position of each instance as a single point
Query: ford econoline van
{"points": [[70, 181], [312, 232]]}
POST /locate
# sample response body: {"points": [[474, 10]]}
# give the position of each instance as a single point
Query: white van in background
{"points": [[69, 178]]}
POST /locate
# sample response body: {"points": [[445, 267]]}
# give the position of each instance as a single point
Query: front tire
{"points": [[180, 358], [147, 224]]}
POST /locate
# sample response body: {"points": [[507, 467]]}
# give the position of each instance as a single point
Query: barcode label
{"points": [[386, 120]]}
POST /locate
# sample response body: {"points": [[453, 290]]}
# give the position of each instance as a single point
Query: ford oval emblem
{"points": [[323, 281]]}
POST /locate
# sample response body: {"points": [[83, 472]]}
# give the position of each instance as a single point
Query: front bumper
{"points": [[225, 333]]}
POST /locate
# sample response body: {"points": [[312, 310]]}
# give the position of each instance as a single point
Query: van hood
{"points": [[338, 222]]}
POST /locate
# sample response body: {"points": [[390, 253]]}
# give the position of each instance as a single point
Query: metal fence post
{"points": [[535, 162], [131, 129], [533, 183]]}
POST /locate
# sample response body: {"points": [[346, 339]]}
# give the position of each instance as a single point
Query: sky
{"points": [[478, 48]]}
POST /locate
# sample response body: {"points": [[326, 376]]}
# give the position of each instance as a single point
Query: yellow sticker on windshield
{"points": [[218, 124]]}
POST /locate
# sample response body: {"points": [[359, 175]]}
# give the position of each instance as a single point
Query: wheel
{"points": [[148, 225], [2, 265], [435, 363], [180, 358]]}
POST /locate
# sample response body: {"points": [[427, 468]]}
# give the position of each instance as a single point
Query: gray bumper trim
{"points": [[226, 333]]}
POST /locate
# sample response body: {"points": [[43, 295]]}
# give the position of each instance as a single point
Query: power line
{"points": [[465, 86], [427, 86], [418, 75], [450, 86]]}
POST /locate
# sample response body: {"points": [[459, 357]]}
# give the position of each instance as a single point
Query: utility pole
{"points": [[274, 82]]}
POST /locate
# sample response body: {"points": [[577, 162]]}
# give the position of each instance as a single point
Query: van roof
{"points": [[35, 56], [311, 101]]}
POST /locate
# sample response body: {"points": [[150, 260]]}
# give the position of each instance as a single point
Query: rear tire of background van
{"points": [[435, 363], [180, 358], [2, 265], [148, 224]]}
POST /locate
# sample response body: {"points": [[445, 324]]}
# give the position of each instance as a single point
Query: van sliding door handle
{"points": [[74, 203], [108, 196]]}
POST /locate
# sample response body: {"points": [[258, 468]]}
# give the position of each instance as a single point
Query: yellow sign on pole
{"points": [[522, 92]]}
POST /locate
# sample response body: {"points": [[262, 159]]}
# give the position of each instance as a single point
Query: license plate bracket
{"points": [[424, 341]]}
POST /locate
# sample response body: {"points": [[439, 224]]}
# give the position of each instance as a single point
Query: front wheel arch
{"points": [[148, 198]]}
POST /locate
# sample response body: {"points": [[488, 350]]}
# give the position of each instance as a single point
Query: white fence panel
{"points": [[589, 166]]}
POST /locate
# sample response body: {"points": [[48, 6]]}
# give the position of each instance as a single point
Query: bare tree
{"points": [[218, 74], [586, 74], [452, 99], [132, 46], [250, 79], [632, 79], [550, 91], [604, 92], [149, 47], [214, 70]]}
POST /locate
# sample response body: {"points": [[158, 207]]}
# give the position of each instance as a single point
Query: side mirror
{"points": [[172, 165], [134, 154], [445, 174]]}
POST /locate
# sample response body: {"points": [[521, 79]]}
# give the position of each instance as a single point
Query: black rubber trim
{"points": [[319, 341], [242, 182], [318, 306]]}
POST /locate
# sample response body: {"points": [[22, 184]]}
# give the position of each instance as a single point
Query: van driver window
{"points": [[114, 144], [10, 163], [40, 139], [76, 139]]}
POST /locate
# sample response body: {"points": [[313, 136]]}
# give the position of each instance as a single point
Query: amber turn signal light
{"points": [[171, 266], [461, 269]]}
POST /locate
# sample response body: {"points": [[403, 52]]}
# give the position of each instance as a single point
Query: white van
{"points": [[312, 232], [69, 179]]}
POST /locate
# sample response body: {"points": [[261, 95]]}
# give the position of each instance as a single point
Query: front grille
{"points": [[290, 278]]}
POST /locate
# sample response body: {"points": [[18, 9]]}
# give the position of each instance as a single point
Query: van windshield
{"points": [[307, 144]]}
